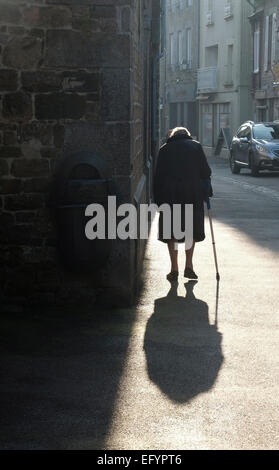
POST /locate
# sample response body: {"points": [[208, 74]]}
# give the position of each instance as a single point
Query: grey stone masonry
{"points": [[74, 76]]}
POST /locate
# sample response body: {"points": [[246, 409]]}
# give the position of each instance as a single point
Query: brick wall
{"points": [[72, 77]]}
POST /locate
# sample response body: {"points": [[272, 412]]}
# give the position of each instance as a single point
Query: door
{"points": [[236, 144], [244, 145]]}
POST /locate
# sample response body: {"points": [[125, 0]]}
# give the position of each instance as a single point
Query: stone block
{"points": [[23, 52], [4, 168], [22, 283], [81, 81], [37, 33], [69, 2], [93, 111], [41, 81], [8, 80], [36, 185], [6, 220], [11, 258], [4, 39], [31, 149], [10, 185], [10, 152], [23, 202], [99, 11], [25, 217], [17, 106], [86, 25], [10, 138], [59, 106], [17, 31], [29, 168], [47, 17], [67, 48], [58, 135], [50, 152], [126, 19], [115, 95], [38, 130], [92, 97], [108, 25], [9, 13]]}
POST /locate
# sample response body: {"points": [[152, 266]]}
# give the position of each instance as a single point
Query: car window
{"points": [[247, 132], [244, 131], [266, 131], [241, 132]]}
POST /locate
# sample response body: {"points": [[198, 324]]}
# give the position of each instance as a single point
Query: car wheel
{"points": [[253, 166], [235, 168]]}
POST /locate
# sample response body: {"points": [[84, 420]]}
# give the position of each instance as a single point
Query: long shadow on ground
{"points": [[183, 351], [60, 374]]}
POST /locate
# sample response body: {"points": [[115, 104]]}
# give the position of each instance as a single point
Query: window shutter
{"points": [[273, 45], [256, 51], [266, 37]]}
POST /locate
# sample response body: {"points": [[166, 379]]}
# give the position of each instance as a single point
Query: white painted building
{"points": [[224, 77]]}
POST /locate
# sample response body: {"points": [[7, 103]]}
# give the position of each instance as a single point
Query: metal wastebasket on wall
{"points": [[81, 179]]}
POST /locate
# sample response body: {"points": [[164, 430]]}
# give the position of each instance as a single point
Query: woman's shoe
{"points": [[190, 274], [172, 276]]}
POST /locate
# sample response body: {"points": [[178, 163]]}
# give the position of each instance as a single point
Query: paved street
{"points": [[182, 370]]}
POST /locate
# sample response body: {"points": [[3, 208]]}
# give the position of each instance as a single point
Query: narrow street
{"points": [[183, 369]]}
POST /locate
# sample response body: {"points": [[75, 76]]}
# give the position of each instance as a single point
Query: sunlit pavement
{"points": [[182, 370], [189, 383]]}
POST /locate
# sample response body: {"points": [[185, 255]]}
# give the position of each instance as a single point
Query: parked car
{"points": [[255, 146]]}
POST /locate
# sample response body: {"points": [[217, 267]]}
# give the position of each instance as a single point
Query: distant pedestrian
{"points": [[182, 176]]}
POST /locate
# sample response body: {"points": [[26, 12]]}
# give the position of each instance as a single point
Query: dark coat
{"points": [[181, 168]]}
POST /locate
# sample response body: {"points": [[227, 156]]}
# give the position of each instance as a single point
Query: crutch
{"points": [[213, 238]]}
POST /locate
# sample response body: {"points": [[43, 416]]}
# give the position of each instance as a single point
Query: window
{"points": [[229, 79], [273, 38], [244, 131], [241, 132], [179, 48], [270, 41], [213, 118], [211, 56], [171, 49], [266, 131], [257, 49], [209, 13], [228, 10], [189, 47]]}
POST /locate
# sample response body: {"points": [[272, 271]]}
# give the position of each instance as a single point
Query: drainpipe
{"points": [[198, 64], [155, 78]]}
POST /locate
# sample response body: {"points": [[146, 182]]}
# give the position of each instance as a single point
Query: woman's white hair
{"points": [[179, 131]]}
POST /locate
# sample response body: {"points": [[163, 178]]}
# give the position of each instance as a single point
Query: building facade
{"points": [[224, 77], [265, 67], [78, 79], [178, 65]]}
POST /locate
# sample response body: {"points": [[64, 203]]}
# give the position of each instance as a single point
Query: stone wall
{"points": [[73, 76]]}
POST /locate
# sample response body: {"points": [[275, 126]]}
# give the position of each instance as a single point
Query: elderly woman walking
{"points": [[181, 177]]}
